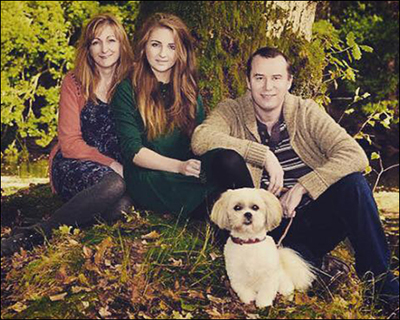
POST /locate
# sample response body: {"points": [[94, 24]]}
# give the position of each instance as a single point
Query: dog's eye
{"points": [[255, 207], [237, 208]]}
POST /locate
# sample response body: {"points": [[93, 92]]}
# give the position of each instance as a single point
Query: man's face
{"points": [[269, 82]]}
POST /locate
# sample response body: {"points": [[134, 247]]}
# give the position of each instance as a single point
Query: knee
{"points": [[116, 186], [355, 179], [355, 183], [124, 204], [229, 160]]}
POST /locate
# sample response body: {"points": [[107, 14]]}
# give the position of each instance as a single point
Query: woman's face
{"points": [[105, 49], [161, 53]]}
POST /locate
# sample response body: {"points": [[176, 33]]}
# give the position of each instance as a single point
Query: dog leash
{"points": [[285, 233], [284, 190]]}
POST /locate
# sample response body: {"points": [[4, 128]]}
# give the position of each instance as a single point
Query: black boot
{"points": [[25, 238]]}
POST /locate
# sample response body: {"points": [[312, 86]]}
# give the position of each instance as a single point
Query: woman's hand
{"points": [[118, 168], [190, 168]]}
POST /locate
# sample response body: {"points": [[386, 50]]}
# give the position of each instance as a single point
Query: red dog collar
{"points": [[250, 241]]}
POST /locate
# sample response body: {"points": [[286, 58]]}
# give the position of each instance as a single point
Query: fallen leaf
{"points": [[188, 307], [19, 307], [73, 242], [214, 314], [196, 295], [91, 267], [214, 256], [82, 279], [88, 253], [172, 294], [176, 263], [151, 236], [177, 285], [138, 286], [62, 275], [301, 298], [104, 313], [144, 316], [163, 306], [64, 229], [58, 297], [77, 289], [104, 245], [215, 299], [177, 315]]}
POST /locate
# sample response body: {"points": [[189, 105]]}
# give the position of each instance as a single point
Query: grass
{"points": [[151, 267]]}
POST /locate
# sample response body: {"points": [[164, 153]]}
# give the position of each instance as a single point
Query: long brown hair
{"points": [[85, 67], [182, 112]]}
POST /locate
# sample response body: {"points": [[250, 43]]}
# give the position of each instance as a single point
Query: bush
{"points": [[37, 49]]}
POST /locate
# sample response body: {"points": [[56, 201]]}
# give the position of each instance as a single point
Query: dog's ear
{"points": [[219, 214], [274, 209]]}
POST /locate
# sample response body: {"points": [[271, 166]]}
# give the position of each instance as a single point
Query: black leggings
{"points": [[105, 200], [228, 170]]}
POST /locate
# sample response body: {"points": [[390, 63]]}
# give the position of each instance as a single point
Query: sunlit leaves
{"points": [[38, 41]]}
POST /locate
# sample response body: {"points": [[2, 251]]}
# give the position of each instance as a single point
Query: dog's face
{"points": [[247, 211]]}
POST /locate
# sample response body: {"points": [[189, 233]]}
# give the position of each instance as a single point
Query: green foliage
{"points": [[377, 25], [37, 49], [376, 117], [34, 46], [338, 55]]}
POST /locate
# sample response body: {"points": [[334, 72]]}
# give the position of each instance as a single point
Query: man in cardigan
{"points": [[294, 149]]}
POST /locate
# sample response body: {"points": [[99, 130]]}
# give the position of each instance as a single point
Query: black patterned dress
{"points": [[71, 176]]}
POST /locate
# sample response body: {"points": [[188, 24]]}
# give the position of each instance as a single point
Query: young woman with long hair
{"points": [[85, 165], [156, 111]]}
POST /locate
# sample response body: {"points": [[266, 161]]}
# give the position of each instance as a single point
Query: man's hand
{"points": [[275, 172], [291, 199]]}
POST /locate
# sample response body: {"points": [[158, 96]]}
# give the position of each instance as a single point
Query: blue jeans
{"points": [[346, 209]]}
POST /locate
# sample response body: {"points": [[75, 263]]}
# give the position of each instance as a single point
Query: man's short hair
{"points": [[268, 52]]}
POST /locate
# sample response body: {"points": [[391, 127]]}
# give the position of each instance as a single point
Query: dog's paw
{"points": [[290, 297], [263, 302], [286, 288], [247, 296]]}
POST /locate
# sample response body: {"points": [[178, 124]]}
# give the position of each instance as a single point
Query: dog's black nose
{"points": [[248, 215]]}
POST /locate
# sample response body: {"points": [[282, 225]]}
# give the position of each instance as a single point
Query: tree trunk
{"points": [[298, 16]]}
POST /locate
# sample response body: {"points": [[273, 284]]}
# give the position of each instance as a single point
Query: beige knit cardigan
{"points": [[319, 141]]}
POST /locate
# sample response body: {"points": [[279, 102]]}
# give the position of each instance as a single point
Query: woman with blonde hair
{"points": [[156, 112], [85, 165]]}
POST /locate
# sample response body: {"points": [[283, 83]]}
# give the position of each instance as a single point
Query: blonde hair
{"points": [[85, 67], [182, 112]]}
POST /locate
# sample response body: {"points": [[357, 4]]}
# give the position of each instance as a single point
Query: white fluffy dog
{"points": [[257, 269]]}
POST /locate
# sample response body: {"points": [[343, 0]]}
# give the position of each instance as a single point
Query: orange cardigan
{"points": [[70, 140]]}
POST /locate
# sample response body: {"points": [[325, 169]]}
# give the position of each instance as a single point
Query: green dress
{"points": [[154, 190]]}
